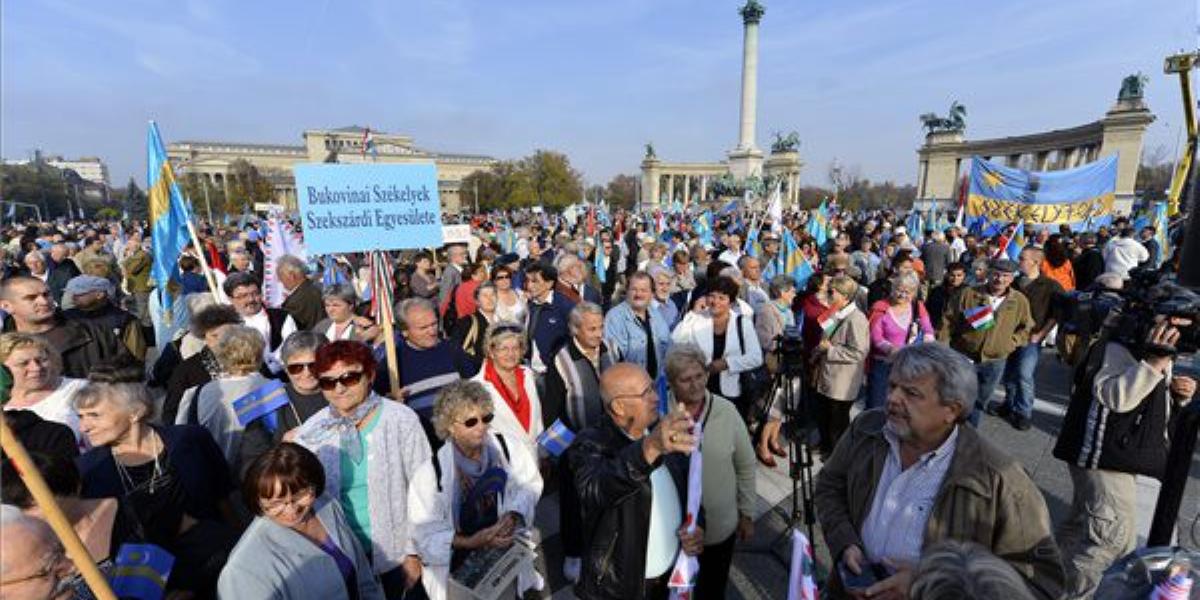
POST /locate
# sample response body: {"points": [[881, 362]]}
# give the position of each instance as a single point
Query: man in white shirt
{"points": [[274, 324], [1124, 253]]}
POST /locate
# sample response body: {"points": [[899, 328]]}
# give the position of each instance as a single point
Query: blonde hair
{"points": [[11, 342], [502, 330], [454, 400], [240, 350], [844, 286]]}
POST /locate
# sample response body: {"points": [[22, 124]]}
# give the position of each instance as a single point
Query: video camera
{"points": [[1127, 315], [789, 347]]}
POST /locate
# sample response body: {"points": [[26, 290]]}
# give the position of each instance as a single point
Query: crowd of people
{"points": [[268, 450]]}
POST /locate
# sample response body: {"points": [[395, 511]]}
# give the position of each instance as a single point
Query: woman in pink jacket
{"points": [[896, 322]]}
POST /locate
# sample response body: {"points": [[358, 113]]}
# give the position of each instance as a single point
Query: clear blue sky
{"points": [[593, 79]]}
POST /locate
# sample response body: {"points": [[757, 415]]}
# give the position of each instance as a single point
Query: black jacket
{"points": [[613, 481], [80, 345], [305, 306], [258, 438], [1087, 266]]}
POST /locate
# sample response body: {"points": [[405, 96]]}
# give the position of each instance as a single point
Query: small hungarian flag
{"points": [[980, 317], [556, 438], [828, 320]]}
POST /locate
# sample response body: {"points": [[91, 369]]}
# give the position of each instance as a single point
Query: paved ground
{"points": [[759, 567]]}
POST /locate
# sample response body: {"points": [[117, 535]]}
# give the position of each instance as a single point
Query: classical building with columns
{"points": [[680, 181], [945, 157], [213, 161]]}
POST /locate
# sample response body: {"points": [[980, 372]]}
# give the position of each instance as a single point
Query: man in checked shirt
{"points": [[910, 475]]}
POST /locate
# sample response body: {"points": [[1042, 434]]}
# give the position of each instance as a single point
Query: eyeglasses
{"points": [[649, 391], [499, 277], [297, 368], [349, 379], [473, 421], [276, 507]]}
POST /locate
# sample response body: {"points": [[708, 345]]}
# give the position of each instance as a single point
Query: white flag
{"points": [[281, 240]]}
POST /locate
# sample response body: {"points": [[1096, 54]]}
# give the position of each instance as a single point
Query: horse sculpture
{"points": [[955, 121]]}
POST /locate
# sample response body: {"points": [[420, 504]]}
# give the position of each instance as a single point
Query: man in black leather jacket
{"points": [[615, 464]]}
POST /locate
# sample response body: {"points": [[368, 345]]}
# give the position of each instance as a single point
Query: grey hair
{"points": [[956, 381], [680, 356], [453, 398], [342, 291], [408, 305], [565, 261], [575, 319], [908, 280], [301, 341], [733, 273], [745, 259], [199, 301], [34, 254], [779, 285], [502, 330], [129, 398], [951, 569], [656, 269], [287, 262]]}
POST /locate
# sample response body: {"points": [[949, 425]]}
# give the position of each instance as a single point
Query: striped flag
{"points": [[687, 568], [980, 318], [381, 286], [828, 319], [802, 584], [262, 402], [556, 438]]}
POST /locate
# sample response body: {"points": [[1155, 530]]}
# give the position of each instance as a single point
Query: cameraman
{"points": [[1116, 427]]}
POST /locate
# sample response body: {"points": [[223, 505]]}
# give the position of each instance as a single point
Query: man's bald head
{"points": [[621, 380]]}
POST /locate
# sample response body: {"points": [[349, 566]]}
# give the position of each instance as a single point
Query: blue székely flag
{"points": [[168, 213], [703, 227], [262, 402], [818, 225], [794, 263], [598, 262], [141, 571], [556, 438], [915, 224], [752, 248], [1071, 196]]}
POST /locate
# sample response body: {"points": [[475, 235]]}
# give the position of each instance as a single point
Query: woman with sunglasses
{"points": [[299, 354], [299, 544], [511, 302], [477, 493], [513, 386], [370, 449]]}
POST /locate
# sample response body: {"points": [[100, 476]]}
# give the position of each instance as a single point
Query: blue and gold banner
{"points": [[1079, 196]]}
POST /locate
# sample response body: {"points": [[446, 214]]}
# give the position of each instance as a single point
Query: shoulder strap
{"points": [[193, 417], [741, 336], [504, 447]]}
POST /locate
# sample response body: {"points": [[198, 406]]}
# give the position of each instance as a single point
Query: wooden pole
{"points": [[389, 342], [208, 275], [54, 515]]}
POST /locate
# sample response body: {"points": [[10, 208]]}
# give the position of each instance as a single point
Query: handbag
{"points": [[754, 383]]}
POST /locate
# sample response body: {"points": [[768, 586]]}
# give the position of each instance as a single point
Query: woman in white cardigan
{"points": [[727, 338], [457, 503], [512, 386]]}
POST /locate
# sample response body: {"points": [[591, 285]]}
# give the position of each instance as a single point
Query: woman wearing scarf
{"points": [[895, 323], [512, 386], [370, 450], [840, 356], [477, 493]]}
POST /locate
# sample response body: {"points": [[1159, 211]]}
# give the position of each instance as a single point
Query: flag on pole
{"points": [[702, 227], [683, 576], [168, 213], [794, 262], [281, 240], [330, 273], [1162, 225], [775, 208], [599, 261], [381, 285], [818, 223], [1015, 242], [752, 246], [141, 571]]}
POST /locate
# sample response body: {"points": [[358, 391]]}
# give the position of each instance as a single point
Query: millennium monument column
{"points": [[746, 159]]}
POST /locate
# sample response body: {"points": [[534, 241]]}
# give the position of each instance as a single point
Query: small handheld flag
{"points": [[141, 571], [556, 438], [980, 318], [261, 402]]}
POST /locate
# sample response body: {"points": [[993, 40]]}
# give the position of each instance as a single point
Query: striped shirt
{"points": [[895, 527]]}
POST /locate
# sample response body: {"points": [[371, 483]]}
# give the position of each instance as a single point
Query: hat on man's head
{"points": [[83, 284], [1003, 265]]}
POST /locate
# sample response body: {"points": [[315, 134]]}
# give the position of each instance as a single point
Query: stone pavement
{"points": [[760, 566]]}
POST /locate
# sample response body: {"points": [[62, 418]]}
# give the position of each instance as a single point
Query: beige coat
{"points": [[840, 370]]}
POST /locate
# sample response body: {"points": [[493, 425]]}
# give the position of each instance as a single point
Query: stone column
{"points": [[670, 188], [751, 16], [703, 188]]}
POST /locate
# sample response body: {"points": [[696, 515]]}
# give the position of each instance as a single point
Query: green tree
{"points": [[1154, 175], [621, 191], [543, 179], [38, 184]]}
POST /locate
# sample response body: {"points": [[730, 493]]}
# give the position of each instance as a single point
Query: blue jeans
{"points": [[877, 384], [1018, 379], [987, 374]]}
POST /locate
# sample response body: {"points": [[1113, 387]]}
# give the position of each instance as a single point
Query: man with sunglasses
{"points": [[33, 565], [628, 468]]}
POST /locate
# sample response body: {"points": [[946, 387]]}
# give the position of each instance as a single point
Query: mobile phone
{"points": [[856, 583]]}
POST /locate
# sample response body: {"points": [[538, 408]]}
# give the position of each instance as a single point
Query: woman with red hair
{"points": [[370, 448]]}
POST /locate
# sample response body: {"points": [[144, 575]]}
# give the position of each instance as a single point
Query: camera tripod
{"points": [[787, 389]]}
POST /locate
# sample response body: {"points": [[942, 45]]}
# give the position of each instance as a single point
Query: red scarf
{"points": [[520, 403]]}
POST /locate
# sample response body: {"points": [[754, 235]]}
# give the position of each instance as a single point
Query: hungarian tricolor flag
{"points": [[980, 317], [828, 319]]}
